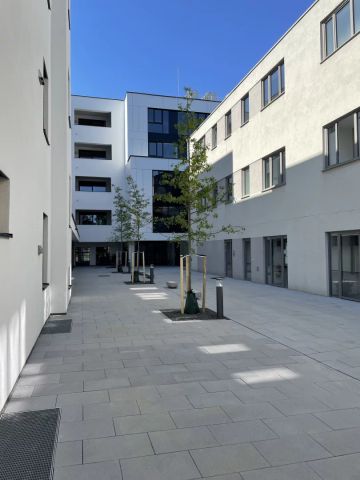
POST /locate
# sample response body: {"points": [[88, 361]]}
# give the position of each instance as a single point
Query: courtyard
{"points": [[272, 393]]}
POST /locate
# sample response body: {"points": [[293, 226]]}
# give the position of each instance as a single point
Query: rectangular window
{"points": [[93, 184], [246, 182], [46, 104], [229, 189], [342, 140], [274, 170], [228, 124], [245, 109], [4, 203], [273, 85], [93, 151], [93, 217], [93, 119], [340, 26], [214, 136], [158, 121], [162, 150]]}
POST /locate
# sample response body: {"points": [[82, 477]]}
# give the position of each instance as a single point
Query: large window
{"points": [[274, 170], [245, 173], [340, 26], [342, 140], [229, 189], [214, 136], [93, 184], [93, 151], [245, 109], [228, 124], [273, 85], [163, 211], [163, 150], [345, 265], [92, 119], [93, 217], [158, 120]]}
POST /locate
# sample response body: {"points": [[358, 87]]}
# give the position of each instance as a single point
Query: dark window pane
{"points": [[228, 124], [346, 138], [152, 149], [350, 266], [266, 91], [245, 109], [150, 115], [332, 145], [274, 79], [169, 150], [329, 37], [357, 15], [282, 74], [157, 116], [267, 173], [276, 169], [343, 25], [85, 188], [246, 182]]}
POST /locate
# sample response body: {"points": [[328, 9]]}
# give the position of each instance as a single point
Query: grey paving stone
{"points": [[194, 376], [296, 424], [81, 376], [169, 466], [31, 403], [232, 476], [164, 404], [143, 423], [134, 393], [190, 388], [251, 411], [86, 429], [241, 432], [294, 406], [84, 398], [291, 449], [39, 379], [71, 413], [227, 459], [111, 448], [346, 467], [95, 471], [57, 388], [105, 384], [214, 399], [199, 416], [68, 453], [299, 471], [338, 419], [182, 439], [340, 442], [111, 409]]}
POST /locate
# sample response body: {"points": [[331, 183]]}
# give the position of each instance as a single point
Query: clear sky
{"points": [[147, 45]]}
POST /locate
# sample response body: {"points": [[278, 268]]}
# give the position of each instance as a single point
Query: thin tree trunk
{"points": [[188, 282]]}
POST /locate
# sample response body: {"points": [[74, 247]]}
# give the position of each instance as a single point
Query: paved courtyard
{"points": [[272, 394]]}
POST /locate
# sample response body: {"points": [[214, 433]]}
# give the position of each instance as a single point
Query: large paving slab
{"points": [[272, 394]]}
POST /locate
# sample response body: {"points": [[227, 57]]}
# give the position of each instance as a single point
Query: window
{"points": [[273, 85], [274, 170], [49, 4], [164, 211], [45, 251], [93, 119], [340, 26], [214, 136], [45, 80], [245, 182], [245, 109], [229, 189], [162, 150], [342, 140], [93, 184], [228, 124], [158, 120], [4, 205], [93, 151], [93, 217]]}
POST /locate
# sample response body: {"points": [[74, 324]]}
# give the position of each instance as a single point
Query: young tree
{"points": [[122, 228], [137, 205], [194, 191]]}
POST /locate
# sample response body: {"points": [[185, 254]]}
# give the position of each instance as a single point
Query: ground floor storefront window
{"points": [[345, 265]]}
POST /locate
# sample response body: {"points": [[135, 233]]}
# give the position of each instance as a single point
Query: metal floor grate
{"points": [[57, 326], [27, 444]]}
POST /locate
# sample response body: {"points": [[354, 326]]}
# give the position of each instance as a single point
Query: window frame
{"points": [[266, 82], [244, 171], [46, 103], [243, 100], [356, 140], [332, 16], [229, 188], [214, 136], [270, 158], [228, 123]]}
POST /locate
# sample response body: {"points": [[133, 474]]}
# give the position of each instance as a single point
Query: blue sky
{"points": [[141, 45]]}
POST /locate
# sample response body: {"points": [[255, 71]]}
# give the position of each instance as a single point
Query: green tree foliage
{"points": [[122, 220]]}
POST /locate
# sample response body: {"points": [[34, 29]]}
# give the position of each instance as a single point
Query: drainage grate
{"points": [[27, 444], [57, 326]]}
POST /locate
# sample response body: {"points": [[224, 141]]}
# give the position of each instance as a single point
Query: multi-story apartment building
{"points": [[113, 139], [286, 143], [35, 169]]}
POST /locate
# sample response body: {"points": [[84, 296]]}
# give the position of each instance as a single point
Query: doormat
{"points": [[27, 444], [57, 326], [176, 316]]}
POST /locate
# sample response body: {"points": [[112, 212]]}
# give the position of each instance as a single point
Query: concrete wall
{"points": [[27, 161], [313, 201]]}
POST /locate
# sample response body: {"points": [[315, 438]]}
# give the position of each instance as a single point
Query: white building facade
{"points": [[285, 143], [113, 139], [35, 204]]}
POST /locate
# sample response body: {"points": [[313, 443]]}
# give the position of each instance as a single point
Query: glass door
{"points": [[276, 261], [228, 258], [345, 265], [247, 258]]}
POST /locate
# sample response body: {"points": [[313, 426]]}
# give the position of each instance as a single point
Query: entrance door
{"points": [[228, 258], [345, 265], [103, 256], [82, 256], [276, 261], [247, 259]]}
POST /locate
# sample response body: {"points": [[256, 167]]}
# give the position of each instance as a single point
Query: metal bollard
{"points": [[152, 273], [219, 299]]}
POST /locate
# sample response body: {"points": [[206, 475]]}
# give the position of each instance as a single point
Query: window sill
{"points": [[272, 101], [342, 164], [228, 136], [273, 187], [213, 148], [339, 48], [245, 123], [245, 197], [6, 235], [45, 286]]}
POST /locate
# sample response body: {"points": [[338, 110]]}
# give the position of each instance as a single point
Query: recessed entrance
{"points": [[228, 258], [345, 265], [276, 261]]}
